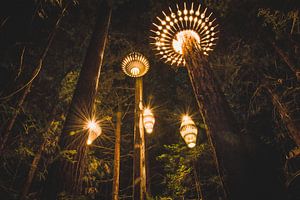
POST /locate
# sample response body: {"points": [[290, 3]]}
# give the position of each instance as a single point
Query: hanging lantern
{"points": [[188, 131], [94, 131], [148, 120]]}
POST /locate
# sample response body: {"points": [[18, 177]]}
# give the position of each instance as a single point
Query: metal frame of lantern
{"points": [[171, 31], [148, 120], [94, 131], [188, 131], [135, 65]]}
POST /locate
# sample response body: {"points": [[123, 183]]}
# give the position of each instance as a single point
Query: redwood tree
{"points": [[67, 175], [230, 153]]}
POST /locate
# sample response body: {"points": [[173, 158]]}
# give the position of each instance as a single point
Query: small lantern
{"points": [[148, 120], [135, 65], [94, 131], [188, 131]]}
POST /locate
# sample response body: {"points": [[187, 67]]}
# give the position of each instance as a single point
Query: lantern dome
{"points": [[135, 65], [188, 131]]}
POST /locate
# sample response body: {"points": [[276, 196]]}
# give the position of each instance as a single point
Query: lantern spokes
{"points": [[135, 65], [171, 32]]}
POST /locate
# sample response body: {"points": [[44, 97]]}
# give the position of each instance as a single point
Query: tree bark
{"points": [[116, 178], [293, 129], [66, 176], [220, 124]]}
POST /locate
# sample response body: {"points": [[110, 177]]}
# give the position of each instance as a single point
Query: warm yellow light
{"points": [[94, 131], [186, 118], [135, 71], [170, 34], [148, 120], [188, 131], [135, 64], [92, 125], [191, 145]]}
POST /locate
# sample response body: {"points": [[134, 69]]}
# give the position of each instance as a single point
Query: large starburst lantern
{"points": [[188, 131], [171, 31], [135, 65]]}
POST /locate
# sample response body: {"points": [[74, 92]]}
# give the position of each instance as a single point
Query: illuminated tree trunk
{"points": [[67, 175], [293, 128], [116, 178], [220, 124]]}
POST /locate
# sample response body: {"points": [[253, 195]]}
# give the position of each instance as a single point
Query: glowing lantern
{"points": [[148, 120], [174, 27], [94, 131], [135, 65], [188, 131]]}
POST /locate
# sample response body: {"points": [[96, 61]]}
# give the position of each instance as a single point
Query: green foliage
{"points": [[178, 165], [280, 22]]}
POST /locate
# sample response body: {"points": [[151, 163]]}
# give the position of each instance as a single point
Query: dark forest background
{"points": [[256, 61]]}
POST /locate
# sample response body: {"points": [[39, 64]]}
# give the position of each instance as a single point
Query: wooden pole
{"points": [[116, 178], [139, 167]]}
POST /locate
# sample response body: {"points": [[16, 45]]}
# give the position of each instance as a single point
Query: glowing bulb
{"points": [[135, 71], [181, 37], [92, 125], [191, 145], [94, 131]]}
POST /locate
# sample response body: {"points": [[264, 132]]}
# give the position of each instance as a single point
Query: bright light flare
{"points": [[94, 131], [148, 120], [174, 27], [92, 125], [188, 131]]}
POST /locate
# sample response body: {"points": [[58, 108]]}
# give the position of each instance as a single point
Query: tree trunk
{"points": [[116, 178], [220, 124], [66, 175], [37, 157], [197, 182], [32, 170], [26, 88], [293, 129]]}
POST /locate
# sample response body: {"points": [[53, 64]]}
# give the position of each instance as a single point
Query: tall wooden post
{"points": [[116, 178], [139, 167]]}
